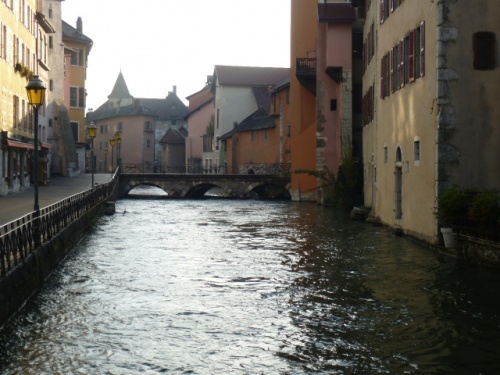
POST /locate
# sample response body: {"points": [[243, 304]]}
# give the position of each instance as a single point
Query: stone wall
{"points": [[20, 283]]}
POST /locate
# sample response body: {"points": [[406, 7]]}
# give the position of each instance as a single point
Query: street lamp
{"points": [[118, 137], [106, 159], [36, 96], [92, 131], [112, 143]]}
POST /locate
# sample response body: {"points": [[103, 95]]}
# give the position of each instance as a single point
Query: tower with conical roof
{"points": [[120, 96]]}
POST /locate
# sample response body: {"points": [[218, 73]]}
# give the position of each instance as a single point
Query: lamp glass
{"points": [[118, 137], [112, 142], [92, 130], [36, 91]]}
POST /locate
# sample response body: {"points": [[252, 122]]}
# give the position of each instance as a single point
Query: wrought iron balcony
{"points": [[306, 73]]}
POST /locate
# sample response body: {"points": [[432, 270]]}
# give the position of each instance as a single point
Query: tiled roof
{"points": [[72, 33], [173, 136], [170, 108], [105, 112], [258, 120], [120, 90], [249, 75]]}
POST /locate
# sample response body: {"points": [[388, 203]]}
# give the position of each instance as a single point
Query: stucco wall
{"points": [[473, 113]]}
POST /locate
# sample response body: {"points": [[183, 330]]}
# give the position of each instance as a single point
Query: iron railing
{"points": [[274, 169], [17, 239], [478, 222]]}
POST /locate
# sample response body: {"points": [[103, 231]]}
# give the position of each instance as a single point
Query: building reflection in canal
{"points": [[250, 287]]}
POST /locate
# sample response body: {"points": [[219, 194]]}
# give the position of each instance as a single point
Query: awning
{"points": [[19, 144]]}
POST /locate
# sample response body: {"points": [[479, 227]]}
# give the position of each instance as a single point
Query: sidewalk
{"points": [[16, 205]]}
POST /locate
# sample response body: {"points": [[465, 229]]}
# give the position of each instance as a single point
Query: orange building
{"points": [[325, 90]]}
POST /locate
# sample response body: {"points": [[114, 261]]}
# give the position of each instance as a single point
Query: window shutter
{"points": [[392, 5], [382, 11], [422, 49], [484, 50], [401, 73], [382, 75], [411, 56], [391, 62]]}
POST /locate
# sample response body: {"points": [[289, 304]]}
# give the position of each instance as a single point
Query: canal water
{"points": [[252, 287]]}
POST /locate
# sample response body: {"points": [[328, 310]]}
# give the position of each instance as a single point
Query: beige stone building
{"points": [[430, 106], [24, 38]]}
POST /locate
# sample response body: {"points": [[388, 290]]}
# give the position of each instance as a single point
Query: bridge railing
{"points": [[17, 238], [275, 169]]}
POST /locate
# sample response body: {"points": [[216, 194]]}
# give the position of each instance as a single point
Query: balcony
{"points": [[306, 73]]}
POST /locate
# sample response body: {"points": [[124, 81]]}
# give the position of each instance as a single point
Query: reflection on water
{"points": [[250, 287]]}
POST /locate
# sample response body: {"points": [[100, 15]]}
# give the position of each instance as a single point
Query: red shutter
{"points": [[422, 49], [411, 57], [391, 62], [382, 76], [401, 63], [382, 11]]}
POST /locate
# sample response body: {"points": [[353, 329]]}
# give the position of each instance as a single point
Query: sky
{"points": [[157, 44]]}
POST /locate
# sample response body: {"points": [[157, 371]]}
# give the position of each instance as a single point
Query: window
{"points": [[81, 97], [51, 42], [74, 129], [333, 104], [484, 50], [148, 126], [265, 134], [416, 150], [386, 155], [73, 96], [120, 127], [148, 143], [253, 136], [51, 85], [77, 57], [51, 122], [77, 97], [3, 42]]}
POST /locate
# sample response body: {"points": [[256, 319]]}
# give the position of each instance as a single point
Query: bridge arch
{"points": [[196, 186]]}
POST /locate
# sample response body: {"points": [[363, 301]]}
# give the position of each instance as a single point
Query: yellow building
{"points": [[431, 114], [24, 39], [77, 47]]}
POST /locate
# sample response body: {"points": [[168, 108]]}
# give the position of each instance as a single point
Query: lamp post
{"points": [[118, 137], [106, 159], [112, 143], [92, 132], [36, 96]]}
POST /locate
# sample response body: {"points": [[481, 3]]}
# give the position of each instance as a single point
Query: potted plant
{"points": [[451, 209]]}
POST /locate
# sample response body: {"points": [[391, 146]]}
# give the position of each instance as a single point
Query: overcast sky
{"points": [[161, 43]]}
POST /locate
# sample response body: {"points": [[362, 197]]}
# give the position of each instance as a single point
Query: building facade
{"points": [[24, 51], [430, 106], [325, 86], [77, 48], [239, 91], [200, 124], [129, 130]]}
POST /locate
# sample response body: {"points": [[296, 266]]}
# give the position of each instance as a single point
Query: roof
{"points": [[70, 32], [248, 75], [173, 136], [165, 109], [137, 109], [258, 120], [170, 108], [336, 13], [120, 90]]}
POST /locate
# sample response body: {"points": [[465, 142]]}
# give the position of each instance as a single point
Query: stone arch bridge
{"points": [[196, 185]]}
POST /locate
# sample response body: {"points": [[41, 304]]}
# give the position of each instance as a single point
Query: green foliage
{"points": [[343, 190], [485, 210], [210, 126], [452, 206]]}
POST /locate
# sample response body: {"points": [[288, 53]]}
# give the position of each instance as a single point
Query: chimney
{"points": [[79, 26], [175, 89]]}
